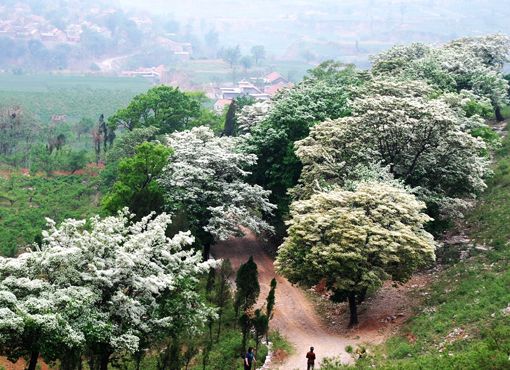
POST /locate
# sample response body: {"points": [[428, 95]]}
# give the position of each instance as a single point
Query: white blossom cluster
{"points": [[207, 177], [466, 64], [424, 142], [109, 282], [357, 239], [251, 115]]}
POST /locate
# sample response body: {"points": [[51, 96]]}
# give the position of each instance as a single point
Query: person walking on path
{"points": [[249, 359], [311, 359]]}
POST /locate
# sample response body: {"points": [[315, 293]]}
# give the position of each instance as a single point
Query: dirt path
{"points": [[294, 316], [112, 64], [381, 315]]}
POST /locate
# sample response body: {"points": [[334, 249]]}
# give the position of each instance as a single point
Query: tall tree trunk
{"points": [[353, 308], [207, 251], [33, 360], [220, 314], [499, 115], [105, 360]]}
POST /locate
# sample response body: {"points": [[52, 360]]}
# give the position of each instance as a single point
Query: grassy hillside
{"points": [[464, 322]]}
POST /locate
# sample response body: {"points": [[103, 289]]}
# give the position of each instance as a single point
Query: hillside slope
{"points": [[464, 322]]}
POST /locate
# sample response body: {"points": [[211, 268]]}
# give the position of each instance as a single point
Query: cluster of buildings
{"points": [[19, 23], [258, 88]]}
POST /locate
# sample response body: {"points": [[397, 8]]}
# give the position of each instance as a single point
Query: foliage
{"points": [[234, 113], [124, 147], [472, 63], [247, 285], [120, 286], [259, 53], [18, 131], [489, 218], [323, 95], [270, 301], [136, 187], [164, 107], [251, 115], [231, 55], [206, 180], [471, 295], [355, 240], [423, 142], [26, 201]]}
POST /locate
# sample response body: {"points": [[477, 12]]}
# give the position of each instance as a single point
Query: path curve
{"points": [[295, 316]]}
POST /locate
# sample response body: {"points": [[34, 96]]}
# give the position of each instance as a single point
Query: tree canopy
{"points": [[111, 287], [422, 141], [206, 179], [355, 240], [164, 107]]}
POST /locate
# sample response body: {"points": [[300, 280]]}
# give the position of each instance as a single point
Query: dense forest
{"points": [[351, 177]]}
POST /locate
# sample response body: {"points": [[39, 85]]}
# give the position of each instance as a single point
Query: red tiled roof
{"points": [[273, 76], [272, 90], [222, 103]]}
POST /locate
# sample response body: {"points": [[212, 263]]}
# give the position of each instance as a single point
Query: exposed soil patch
{"points": [[307, 320], [381, 315]]}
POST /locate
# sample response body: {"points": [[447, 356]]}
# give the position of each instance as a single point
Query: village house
{"points": [[155, 73], [221, 104], [274, 78]]}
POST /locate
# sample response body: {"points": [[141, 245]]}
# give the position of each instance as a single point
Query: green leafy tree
{"points": [[136, 187], [259, 53], [246, 324], [223, 294], [355, 240], [323, 95], [260, 323], [164, 107], [247, 286], [76, 160], [246, 62], [271, 299], [231, 55], [85, 126], [124, 147]]}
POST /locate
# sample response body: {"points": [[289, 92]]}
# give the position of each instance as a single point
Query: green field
{"points": [[76, 96]]}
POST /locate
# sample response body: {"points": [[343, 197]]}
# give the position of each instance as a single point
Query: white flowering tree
{"points": [[473, 63], [206, 179], [251, 115], [117, 285], [424, 142], [37, 317], [355, 240]]}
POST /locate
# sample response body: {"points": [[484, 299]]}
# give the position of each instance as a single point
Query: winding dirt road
{"points": [[294, 316]]}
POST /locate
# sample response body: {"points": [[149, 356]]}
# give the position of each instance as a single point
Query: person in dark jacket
{"points": [[249, 359], [310, 359]]}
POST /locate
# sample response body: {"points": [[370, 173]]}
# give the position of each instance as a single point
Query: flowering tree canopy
{"points": [[473, 63], [108, 287], [355, 240], [205, 178], [424, 142], [324, 94], [251, 115]]}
